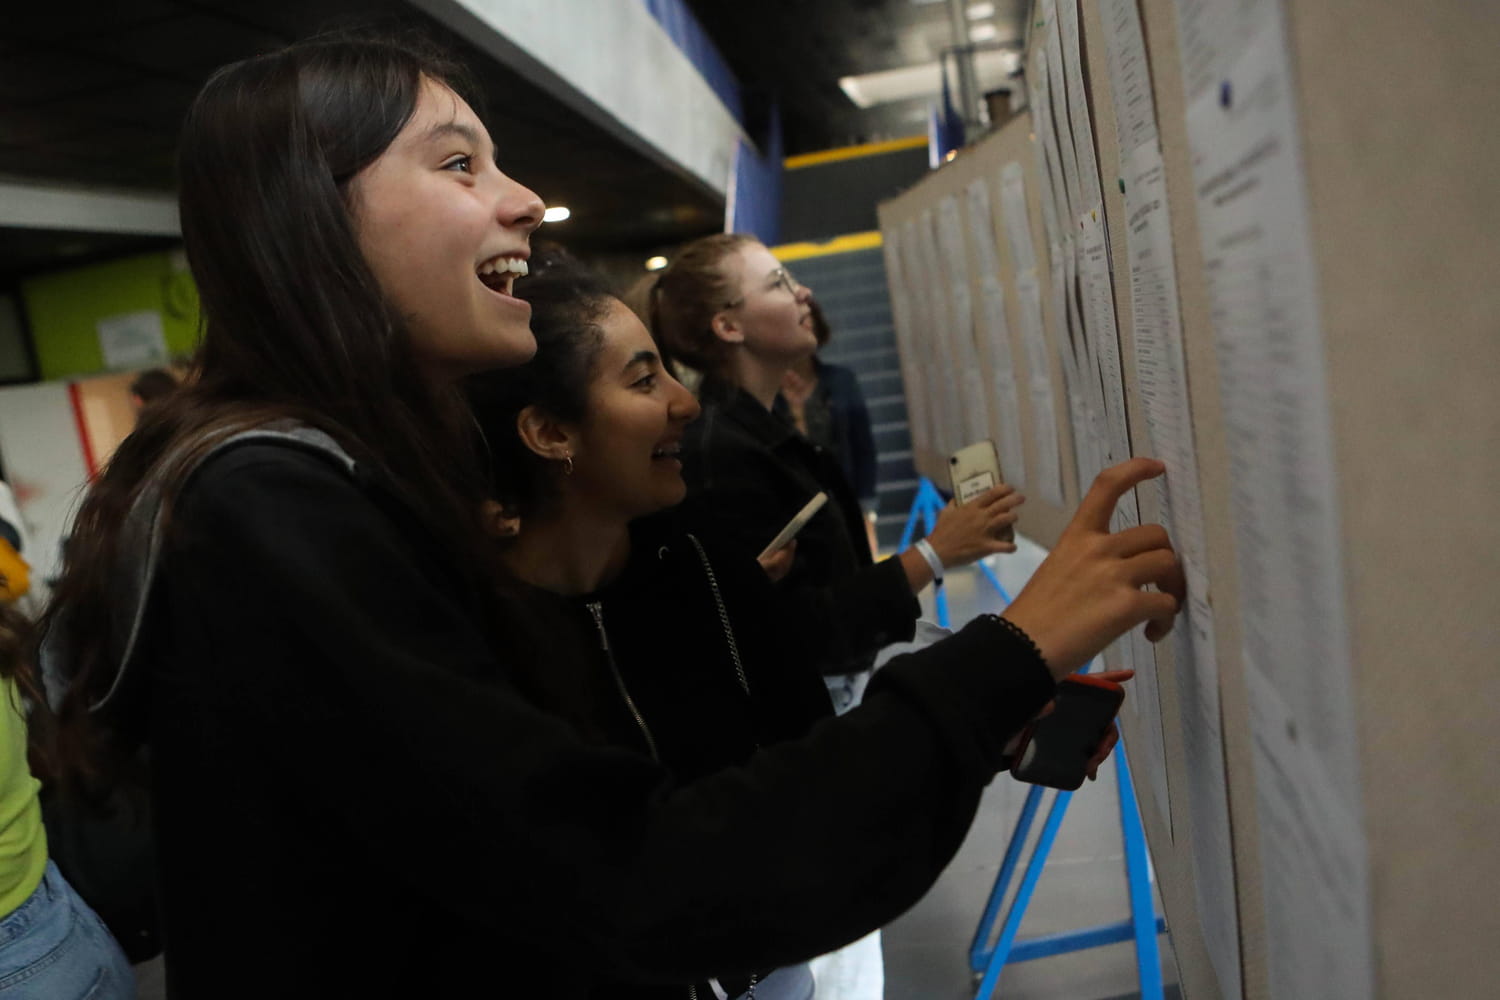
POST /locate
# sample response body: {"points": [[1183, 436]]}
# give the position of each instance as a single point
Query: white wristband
{"points": [[923, 546]]}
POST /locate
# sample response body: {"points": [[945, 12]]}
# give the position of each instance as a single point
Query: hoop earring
{"points": [[568, 464]]}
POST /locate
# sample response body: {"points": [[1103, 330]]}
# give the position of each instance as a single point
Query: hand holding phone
{"points": [[796, 524], [1057, 749], [973, 471]]}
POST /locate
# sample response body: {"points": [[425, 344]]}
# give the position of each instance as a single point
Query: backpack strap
{"points": [[140, 546]]}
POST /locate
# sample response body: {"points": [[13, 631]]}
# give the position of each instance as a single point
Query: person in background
{"points": [[151, 387], [15, 571], [825, 403], [728, 308], [52, 946]]}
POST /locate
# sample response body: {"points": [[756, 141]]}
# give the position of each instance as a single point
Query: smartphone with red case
{"points": [[1056, 749]]}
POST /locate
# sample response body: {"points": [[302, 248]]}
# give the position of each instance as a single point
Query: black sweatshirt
{"points": [[353, 798], [686, 654], [748, 472]]}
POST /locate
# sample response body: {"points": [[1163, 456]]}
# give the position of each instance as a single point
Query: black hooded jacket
{"points": [[748, 472], [356, 795]]}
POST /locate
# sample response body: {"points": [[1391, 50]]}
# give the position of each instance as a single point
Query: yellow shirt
{"points": [[23, 841]]}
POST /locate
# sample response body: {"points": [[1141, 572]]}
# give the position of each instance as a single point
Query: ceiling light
{"points": [[656, 263], [556, 214], [993, 68], [983, 33], [981, 11]]}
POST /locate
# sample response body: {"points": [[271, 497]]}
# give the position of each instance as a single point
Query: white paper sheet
{"points": [[1133, 652], [941, 367], [132, 340], [1006, 401], [1095, 289], [1081, 382], [1129, 75], [981, 220], [903, 314], [974, 415], [1039, 384], [1252, 220], [919, 294], [1161, 377], [951, 249], [1161, 374], [1048, 159], [1083, 460], [973, 399], [1078, 107], [1207, 33], [1097, 297], [1016, 218], [1049, 461], [1066, 150]]}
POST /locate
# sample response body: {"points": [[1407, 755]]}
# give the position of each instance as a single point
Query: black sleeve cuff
{"points": [[979, 686]]}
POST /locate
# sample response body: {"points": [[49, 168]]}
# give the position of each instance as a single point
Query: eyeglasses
{"points": [[779, 278]]}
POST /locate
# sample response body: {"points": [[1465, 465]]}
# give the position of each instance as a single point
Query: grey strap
{"points": [[140, 546]]}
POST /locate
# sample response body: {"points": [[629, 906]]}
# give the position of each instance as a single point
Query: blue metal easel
{"points": [[1144, 925]]}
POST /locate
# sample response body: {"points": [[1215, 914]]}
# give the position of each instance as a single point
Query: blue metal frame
{"points": [[1143, 925]]}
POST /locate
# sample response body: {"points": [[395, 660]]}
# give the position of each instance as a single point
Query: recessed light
{"points": [[656, 263], [556, 214]]}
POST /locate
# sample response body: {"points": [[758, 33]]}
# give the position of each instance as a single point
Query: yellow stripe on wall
{"points": [[839, 244], [853, 152]]}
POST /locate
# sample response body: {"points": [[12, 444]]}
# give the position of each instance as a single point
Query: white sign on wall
{"points": [[132, 340]]}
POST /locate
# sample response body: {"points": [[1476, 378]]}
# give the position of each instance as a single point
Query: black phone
{"points": [[1056, 749]]}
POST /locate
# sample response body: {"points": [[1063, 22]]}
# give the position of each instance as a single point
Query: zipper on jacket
{"points": [[734, 647], [597, 610], [714, 984]]}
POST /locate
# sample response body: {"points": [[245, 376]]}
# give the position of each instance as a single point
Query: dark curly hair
{"points": [[567, 302]]}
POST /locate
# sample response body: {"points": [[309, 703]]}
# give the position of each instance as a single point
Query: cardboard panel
{"points": [[1394, 106], [1041, 521], [1397, 108]]}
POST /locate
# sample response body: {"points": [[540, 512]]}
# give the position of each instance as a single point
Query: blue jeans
{"points": [[53, 947]]}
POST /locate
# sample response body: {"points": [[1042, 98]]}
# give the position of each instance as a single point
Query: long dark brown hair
{"points": [[295, 324]]}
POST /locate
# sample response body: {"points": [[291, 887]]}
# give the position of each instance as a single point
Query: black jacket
{"points": [[355, 798], [696, 667], [748, 472], [843, 427], [685, 651]]}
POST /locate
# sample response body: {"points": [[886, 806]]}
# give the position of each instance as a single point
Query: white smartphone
{"points": [[973, 470], [796, 524]]}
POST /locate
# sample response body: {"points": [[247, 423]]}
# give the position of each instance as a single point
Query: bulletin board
{"points": [[1263, 246]]}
